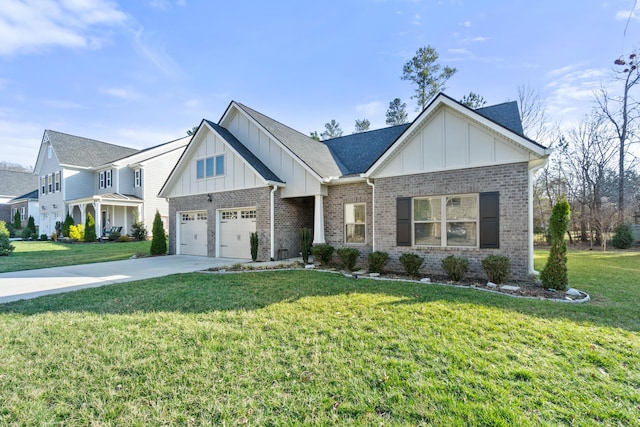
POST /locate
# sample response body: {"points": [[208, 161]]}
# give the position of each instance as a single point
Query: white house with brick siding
{"points": [[113, 183], [455, 181]]}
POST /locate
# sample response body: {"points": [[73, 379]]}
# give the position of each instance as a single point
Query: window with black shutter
{"points": [[489, 220]]}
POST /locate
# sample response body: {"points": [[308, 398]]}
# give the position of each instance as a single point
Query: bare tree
{"points": [[622, 112]]}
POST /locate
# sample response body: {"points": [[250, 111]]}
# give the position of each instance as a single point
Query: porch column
{"points": [[318, 220], [98, 219], [83, 212]]}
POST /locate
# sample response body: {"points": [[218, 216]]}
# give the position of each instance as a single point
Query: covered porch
{"points": [[108, 211]]}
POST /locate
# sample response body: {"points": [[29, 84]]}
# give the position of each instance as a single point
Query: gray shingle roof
{"points": [[356, 153], [254, 161], [84, 152], [13, 183], [505, 114], [31, 195], [314, 154]]}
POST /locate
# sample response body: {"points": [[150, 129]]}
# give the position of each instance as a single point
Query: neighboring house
{"points": [[114, 183], [27, 205], [14, 184], [456, 181]]}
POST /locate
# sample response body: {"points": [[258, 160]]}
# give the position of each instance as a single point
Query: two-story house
{"points": [[14, 184], [115, 184]]}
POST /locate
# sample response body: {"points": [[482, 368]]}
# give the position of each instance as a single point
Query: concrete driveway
{"points": [[34, 283]]}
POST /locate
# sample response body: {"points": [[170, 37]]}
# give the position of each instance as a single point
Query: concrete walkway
{"points": [[34, 283]]}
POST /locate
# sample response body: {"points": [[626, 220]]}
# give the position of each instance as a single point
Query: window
{"points": [[137, 175], [101, 180], [446, 220], [49, 151], [43, 184], [209, 167], [226, 215], [251, 214], [188, 217], [354, 223], [57, 188], [220, 165], [108, 178], [201, 216], [50, 183], [23, 213]]}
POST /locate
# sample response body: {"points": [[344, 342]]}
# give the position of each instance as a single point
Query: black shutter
{"points": [[403, 221], [490, 220]]}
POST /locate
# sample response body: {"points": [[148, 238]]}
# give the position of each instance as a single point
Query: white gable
{"points": [[446, 139], [300, 180], [207, 143]]}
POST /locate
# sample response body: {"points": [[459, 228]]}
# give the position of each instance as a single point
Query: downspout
{"points": [[373, 215], [532, 173], [273, 225]]}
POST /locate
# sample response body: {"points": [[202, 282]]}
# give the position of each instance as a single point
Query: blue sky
{"points": [[142, 72]]}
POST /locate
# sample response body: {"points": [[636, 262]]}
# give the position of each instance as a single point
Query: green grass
{"points": [[36, 254], [308, 348]]}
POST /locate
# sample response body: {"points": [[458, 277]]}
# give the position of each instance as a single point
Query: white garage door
{"points": [[235, 227], [193, 233]]}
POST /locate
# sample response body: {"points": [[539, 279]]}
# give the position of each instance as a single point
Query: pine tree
{"points": [[90, 229], [16, 221], [159, 240], [31, 225], [554, 275], [68, 222]]}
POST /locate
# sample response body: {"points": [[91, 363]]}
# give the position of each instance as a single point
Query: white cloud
{"points": [[122, 93], [371, 108], [62, 105], [192, 103], [459, 51], [28, 26], [466, 24], [165, 4], [571, 89], [154, 51], [416, 20], [627, 14], [145, 138]]}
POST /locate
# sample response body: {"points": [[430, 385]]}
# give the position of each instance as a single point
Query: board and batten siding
{"points": [[237, 175], [450, 141], [300, 182]]}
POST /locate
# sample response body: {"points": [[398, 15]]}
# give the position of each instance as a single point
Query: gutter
{"points": [[272, 222], [373, 215]]}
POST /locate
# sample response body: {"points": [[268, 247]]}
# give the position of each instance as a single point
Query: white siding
{"points": [[51, 206], [451, 141], [300, 182], [154, 174]]}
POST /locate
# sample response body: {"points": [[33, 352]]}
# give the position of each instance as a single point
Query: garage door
{"points": [[235, 227], [193, 233]]}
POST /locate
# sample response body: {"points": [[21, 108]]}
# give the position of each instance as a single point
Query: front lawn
{"points": [[309, 348], [29, 255]]}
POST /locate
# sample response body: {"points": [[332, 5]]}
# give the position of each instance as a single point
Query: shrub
{"points": [[159, 240], [54, 235], [377, 261], [34, 236], [90, 229], [5, 244], [554, 275], [139, 231], [305, 244], [25, 234], [411, 264], [68, 222], [122, 239], [58, 228], [253, 238], [114, 235], [349, 257], [455, 267], [44, 237], [322, 253], [623, 239], [16, 220], [497, 268], [76, 233]]}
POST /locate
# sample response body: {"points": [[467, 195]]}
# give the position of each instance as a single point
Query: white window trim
{"points": [[355, 223], [137, 178], [444, 221], [101, 180], [108, 179]]}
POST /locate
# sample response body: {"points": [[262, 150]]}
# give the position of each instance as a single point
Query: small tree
{"points": [[253, 237], [397, 113], [554, 274], [16, 221], [159, 240], [362, 125], [68, 222], [427, 74], [89, 229], [76, 233], [31, 225], [138, 230], [332, 129], [5, 244], [305, 244]]}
